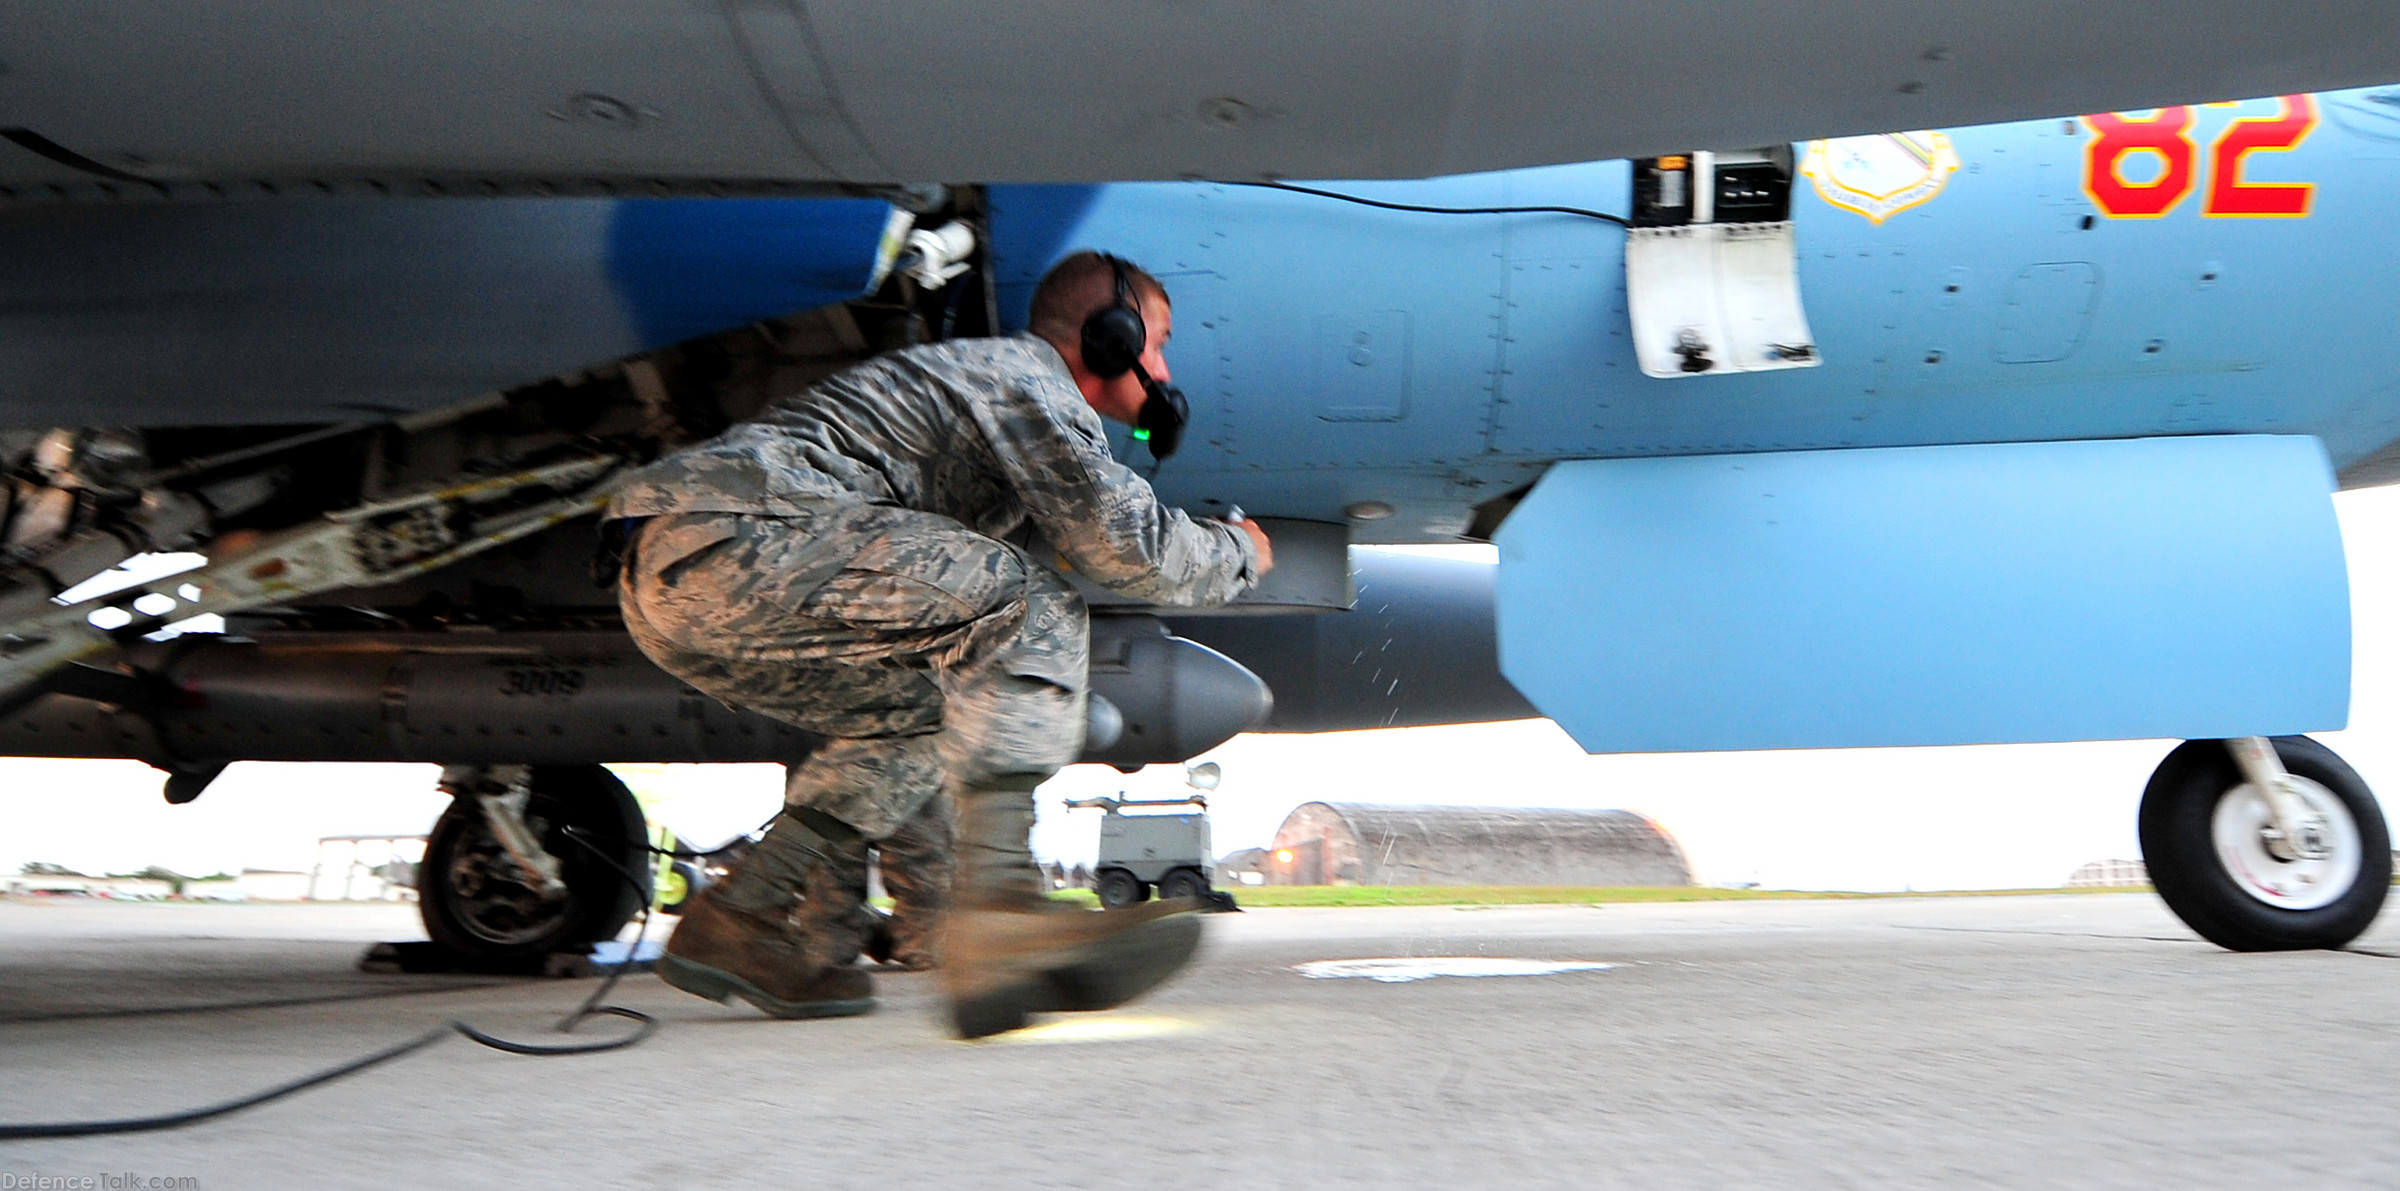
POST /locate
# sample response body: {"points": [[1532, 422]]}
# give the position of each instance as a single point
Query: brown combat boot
{"points": [[720, 953], [1009, 952], [737, 938]]}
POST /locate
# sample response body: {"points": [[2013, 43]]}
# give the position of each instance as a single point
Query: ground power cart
{"points": [[1141, 853]]}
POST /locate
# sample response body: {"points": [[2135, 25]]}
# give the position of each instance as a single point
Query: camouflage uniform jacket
{"points": [[988, 432]]}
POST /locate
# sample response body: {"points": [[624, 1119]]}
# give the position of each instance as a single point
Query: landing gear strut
{"points": [[2265, 844], [530, 860]]}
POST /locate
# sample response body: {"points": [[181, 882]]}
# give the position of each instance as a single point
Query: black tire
{"points": [[881, 942], [473, 900], [1183, 882], [1118, 889], [2178, 810]]}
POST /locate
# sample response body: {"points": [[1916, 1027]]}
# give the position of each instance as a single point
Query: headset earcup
{"points": [[1113, 339]]}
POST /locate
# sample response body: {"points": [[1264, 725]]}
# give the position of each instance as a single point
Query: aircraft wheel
{"points": [[1183, 882], [1118, 889], [474, 899], [2205, 834]]}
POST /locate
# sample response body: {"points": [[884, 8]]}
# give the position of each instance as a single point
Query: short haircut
{"points": [[1077, 286]]}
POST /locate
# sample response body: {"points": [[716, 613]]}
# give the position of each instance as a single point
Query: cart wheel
{"points": [[1118, 889], [676, 887], [1183, 882]]}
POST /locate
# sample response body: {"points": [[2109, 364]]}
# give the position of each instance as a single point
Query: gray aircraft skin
{"points": [[457, 96], [355, 301]]}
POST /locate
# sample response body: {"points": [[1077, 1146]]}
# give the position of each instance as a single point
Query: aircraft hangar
{"points": [[1357, 843]]}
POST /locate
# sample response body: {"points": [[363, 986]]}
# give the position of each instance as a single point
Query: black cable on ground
{"points": [[1603, 216], [591, 1006], [175, 1119], [646, 1025]]}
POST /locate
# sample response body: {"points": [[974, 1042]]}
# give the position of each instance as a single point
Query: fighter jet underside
{"points": [[718, 96]]}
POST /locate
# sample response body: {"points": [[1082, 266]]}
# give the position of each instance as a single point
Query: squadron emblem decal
{"points": [[1880, 176]]}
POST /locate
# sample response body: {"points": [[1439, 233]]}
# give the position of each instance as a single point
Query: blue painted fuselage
{"points": [[318, 309], [1335, 354]]}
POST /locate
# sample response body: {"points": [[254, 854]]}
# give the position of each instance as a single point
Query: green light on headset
{"points": [[1140, 435]]}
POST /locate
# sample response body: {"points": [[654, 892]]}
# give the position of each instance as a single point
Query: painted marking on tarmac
{"points": [[1088, 1027], [1404, 970]]}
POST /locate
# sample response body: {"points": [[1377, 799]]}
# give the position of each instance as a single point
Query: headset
{"points": [[1114, 338]]}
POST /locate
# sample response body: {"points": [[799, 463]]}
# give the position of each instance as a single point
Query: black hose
{"points": [[719, 850], [1603, 216], [177, 1119]]}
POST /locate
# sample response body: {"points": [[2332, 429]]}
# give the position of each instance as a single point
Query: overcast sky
{"points": [[1953, 818]]}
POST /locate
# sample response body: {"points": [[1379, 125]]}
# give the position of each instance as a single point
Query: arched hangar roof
{"points": [[1387, 844]]}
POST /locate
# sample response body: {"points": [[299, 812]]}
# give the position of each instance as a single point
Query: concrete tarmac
{"points": [[2054, 1041]]}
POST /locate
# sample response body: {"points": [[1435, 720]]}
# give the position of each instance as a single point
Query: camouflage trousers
{"points": [[928, 656]]}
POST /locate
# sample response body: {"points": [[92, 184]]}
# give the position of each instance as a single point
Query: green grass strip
{"points": [[1556, 895]]}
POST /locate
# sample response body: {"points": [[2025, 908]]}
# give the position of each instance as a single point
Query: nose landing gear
{"points": [[2265, 844], [532, 860]]}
